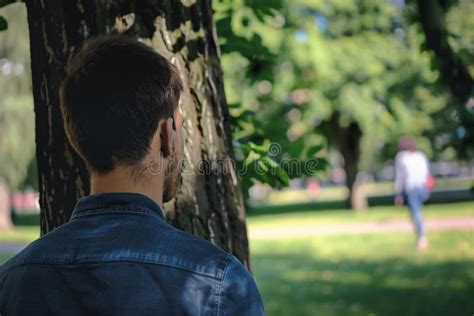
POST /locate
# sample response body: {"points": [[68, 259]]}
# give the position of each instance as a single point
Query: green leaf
{"points": [[313, 150], [252, 156], [3, 24], [283, 176], [258, 148], [235, 105]]}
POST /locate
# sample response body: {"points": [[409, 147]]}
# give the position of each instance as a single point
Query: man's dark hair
{"points": [[115, 92]]}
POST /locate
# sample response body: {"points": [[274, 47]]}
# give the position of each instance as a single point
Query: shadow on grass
{"points": [[300, 285]]}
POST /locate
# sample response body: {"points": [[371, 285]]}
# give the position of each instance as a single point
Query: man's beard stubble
{"points": [[172, 179]]}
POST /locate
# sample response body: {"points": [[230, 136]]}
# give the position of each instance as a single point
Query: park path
{"points": [[457, 223], [12, 247]]}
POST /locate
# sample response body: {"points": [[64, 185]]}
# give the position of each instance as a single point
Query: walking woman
{"points": [[413, 183]]}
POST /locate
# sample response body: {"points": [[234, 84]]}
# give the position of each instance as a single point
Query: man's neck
{"points": [[120, 180]]}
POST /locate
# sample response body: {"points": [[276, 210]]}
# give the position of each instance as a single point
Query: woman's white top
{"points": [[411, 170]]}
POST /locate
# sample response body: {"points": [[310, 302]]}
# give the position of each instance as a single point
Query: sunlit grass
{"points": [[379, 213], [365, 274], [378, 274], [21, 234]]}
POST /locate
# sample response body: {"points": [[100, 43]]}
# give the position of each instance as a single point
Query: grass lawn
{"points": [[21, 234], [379, 213], [365, 274], [359, 274]]}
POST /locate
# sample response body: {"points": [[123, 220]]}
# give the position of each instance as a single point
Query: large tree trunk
{"points": [[454, 73], [209, 204], [348, 141]]}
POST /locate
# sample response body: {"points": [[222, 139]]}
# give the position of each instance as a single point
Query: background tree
{"points": [[16, 103], [251, 34], [16, 114], [209, 204], [447, 28], [314, 78]]}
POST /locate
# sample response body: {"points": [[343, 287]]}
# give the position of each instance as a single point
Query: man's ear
{"points": [[165, 129]]}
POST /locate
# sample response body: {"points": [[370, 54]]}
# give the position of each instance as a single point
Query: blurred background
{"points": [[331, 86]]}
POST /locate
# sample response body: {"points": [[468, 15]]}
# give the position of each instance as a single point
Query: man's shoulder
{"points": [[194, 253], [238, 285], [161, 245], [33, 253]]}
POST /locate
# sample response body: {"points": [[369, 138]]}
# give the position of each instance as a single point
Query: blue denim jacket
{"points": [[117, 256]]}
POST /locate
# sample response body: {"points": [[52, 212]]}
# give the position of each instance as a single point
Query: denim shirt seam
{"points": [[38, 261], [220, 286], [127, 209]]}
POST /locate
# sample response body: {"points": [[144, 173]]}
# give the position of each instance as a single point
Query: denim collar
{"points": [[108, 202]]}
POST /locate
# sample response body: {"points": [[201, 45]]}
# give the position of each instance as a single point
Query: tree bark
{"points": [[209, 203], [348, 141], [454, 73], [57, 28]]}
